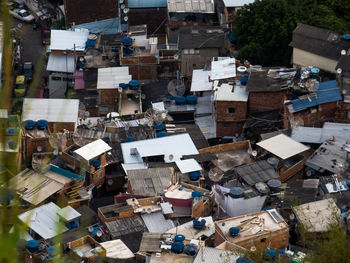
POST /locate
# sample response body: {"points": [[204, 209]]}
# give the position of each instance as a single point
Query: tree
{"points": [[264, 28]]}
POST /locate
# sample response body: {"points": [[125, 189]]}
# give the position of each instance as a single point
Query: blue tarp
{"points": [[147, 3], [328, 91], [109, 26]]}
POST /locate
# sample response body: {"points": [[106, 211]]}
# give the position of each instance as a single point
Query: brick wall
{"points": [[228, 128], [265, 101], [222, 114], [108, 96]]}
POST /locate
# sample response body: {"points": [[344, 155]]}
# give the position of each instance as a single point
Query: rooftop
{"points": [[191, 6], [93, 149], [223, 69], [60, 63], [52, 110], [190, 233], [110, 78], [228, 92], [65, 40], [200, 80], [201, 37], [237, 3], [282, 146]]}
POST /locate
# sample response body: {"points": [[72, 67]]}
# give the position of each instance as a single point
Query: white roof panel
{"points": [[189, 165], [172, 147], [60, 63], [191, 6], [44, 220], [227, 92], [200, 80], [237, 3], [110, 78], [307, 134], [93, 149], [52, 110], [223, 69], [117, 249], [66, 39], [282, 146], [68, 213]]}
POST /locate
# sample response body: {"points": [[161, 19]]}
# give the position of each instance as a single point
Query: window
{"points": [[227, 124], [230, 110]]}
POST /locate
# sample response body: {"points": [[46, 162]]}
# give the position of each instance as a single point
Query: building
{"points": [[317, 47], [261, 230], [84, 11], [231, 109], [313, 109], [229, 9], [190, 13]]}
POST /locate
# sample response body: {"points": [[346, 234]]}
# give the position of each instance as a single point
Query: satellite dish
{"points": [[343, 52], [339, 70], [254, 153], [99, 233], [176, 88], [122, 6], [91, 228], [126, 10], [143, 96], [39, 148], [86, 114], [121, 1], [126, 18], [176, 56], [79, 140]]}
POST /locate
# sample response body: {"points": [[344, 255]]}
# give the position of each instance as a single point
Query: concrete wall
{"points": [[304, 58]]}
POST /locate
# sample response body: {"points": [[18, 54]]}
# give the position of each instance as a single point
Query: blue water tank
{"points": [[123, 85], [274, 184], [52, 250], [236, 192], [134, 84], [127, 41], [32, 245], [199, 224], [191, 99], [90, 43], [129, 139], [196, 194], [42, 124], [11, 145], [29, 124], [270, 253], [243, 260], [177, 247], [243, 80], [179, 238], [194, 176], [159, 127], [234, 231], [315, 71], [170, 98], [191, 249], [348, 183], [180, 100], [96, 164], [162, 134], [346, 37], [11, 131], [72, 224]]}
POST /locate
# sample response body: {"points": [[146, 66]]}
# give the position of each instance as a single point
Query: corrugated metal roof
{"points": [[110, 78], [150, 242], [68, 213], [282, 146], [260, 171], [93, 149], [44, 220], [190, 233], [191, 6], [307, 134], [60, 63], [65, 40], [166, 208], [117, 249], [328, 91], [156, 222], [108, 26], [52, 110], [147, 3], [214, 255], [125, 226], [237, 3]]}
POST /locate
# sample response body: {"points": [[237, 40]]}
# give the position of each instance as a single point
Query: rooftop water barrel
{"points": [[190, 249], [11, 131], [180, 100], [346, 37], [134, 84], [243, 80], [241, 70], [243, 260], [273, 161], [159, 127], [196, 194], [234, 231], [179, 238], [42, 124], [29, 124], [236, 192], [127, 41], [123, 85], [199, 225], [129, 139], [161, 134], [194, 176], [11, 145], [191, 99], [170, 98], [270, 253], [177, 247], [274, 184], [315, 71], [96, 164], [32, 245]]}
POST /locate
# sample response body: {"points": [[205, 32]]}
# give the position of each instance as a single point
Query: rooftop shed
{"points": [[93, 149]]}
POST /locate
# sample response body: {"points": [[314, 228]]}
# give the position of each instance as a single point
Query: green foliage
{"points": [[264, 28]]}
